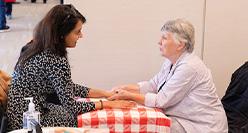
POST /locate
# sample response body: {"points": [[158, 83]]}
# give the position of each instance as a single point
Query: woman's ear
{"points": [[181, 46]]}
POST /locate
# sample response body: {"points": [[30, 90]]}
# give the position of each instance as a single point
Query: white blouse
{"points": [[189, 95]]}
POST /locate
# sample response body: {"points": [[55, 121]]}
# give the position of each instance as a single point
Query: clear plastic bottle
{"points": [[29, 115]]}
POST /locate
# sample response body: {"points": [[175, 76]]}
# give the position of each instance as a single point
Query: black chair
{"points": [[3, 120]]}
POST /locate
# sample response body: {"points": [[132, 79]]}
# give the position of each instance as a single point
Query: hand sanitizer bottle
{"points": [[29, 115]]}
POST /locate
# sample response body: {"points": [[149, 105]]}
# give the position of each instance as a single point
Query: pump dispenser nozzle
{"points": [[31, 106]]}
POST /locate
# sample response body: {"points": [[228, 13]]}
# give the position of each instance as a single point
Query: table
{"points": [[139, 119], [65, 130]]}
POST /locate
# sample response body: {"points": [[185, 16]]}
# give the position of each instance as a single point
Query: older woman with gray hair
{"points": [[183, 88]]}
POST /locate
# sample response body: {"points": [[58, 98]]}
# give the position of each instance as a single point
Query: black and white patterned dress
{"points": [[42, 76]]}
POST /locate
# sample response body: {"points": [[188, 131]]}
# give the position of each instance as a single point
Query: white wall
{"points": [[115, 51], [225, 46], [120, 38]]}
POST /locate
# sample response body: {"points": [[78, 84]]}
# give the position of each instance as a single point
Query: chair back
{"points": [[4, 86]]}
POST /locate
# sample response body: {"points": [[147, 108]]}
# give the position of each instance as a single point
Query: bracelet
{"points": [[101, 104]]}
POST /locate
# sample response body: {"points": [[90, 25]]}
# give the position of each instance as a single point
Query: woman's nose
{"points": [[80, 35], [160, 42]]}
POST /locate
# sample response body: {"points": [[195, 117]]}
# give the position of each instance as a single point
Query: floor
{"points": [[25, 16]]}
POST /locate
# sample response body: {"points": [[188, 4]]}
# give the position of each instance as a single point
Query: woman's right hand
{"points": [[118, 104], [134, 88]]}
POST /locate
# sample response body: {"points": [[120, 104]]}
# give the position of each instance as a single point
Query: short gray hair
{"points": [[182, 30]]}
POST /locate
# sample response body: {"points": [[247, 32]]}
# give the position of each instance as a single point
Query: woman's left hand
{"points": [[120, 95], [109, 94]]}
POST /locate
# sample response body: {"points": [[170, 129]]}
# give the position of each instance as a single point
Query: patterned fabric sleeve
{"points": [[81, 91], [58, 71]]}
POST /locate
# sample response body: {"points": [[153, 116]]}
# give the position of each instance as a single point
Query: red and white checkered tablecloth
{"points": [[140, 119]]}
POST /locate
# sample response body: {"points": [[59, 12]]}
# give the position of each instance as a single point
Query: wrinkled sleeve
{"points": [[60, 76], [174, 89], [147, 86]]}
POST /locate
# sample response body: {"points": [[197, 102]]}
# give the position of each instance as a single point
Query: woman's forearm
{"points": [[98, 93], [133, 88], [139, 98], [114, 104], [98, 105]]}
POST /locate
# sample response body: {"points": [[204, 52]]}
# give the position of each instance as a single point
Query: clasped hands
{"points": [[120, 93], [124, 92], [121, 97]]}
